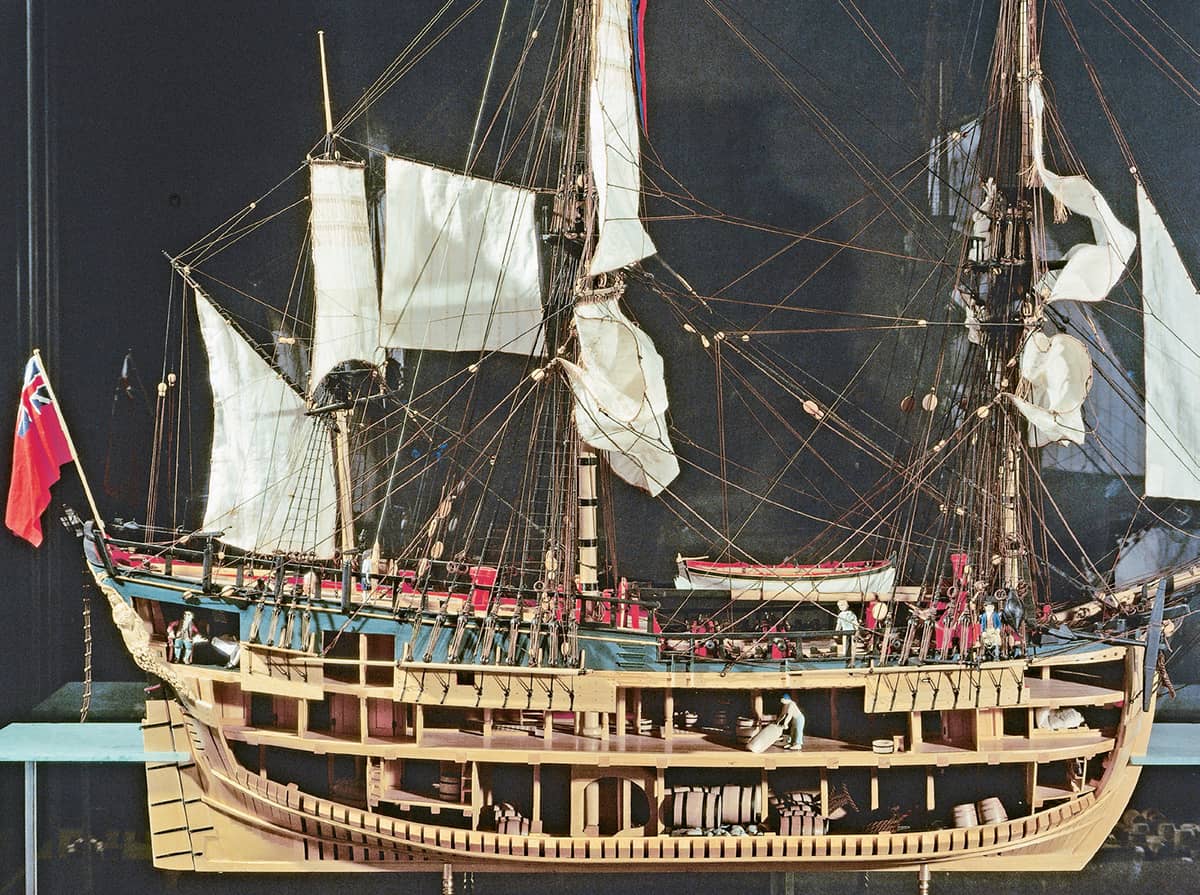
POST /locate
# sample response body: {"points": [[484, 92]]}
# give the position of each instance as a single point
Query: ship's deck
{"points": [[696, 748]]}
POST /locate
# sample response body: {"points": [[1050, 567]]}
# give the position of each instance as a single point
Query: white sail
{"points": [[1058, 373], [270, 479], [1112, 410], [614, 149], [461, 269], [1171, 316], [346, 320], [1091, 269], [621, 396]]}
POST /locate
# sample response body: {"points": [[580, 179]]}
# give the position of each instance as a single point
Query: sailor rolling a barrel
{"points": [[792, 721]]}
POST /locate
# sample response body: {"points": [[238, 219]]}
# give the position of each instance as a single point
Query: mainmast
{"points": [[998, 277]]}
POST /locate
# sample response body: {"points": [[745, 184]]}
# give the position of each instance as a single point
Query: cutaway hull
{"points": [[571, 731]]}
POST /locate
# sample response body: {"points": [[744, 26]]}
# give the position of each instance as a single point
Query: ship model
{"points": [[396, 640]]}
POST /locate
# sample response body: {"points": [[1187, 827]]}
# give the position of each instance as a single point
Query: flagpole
{"points": [[87, 490]]}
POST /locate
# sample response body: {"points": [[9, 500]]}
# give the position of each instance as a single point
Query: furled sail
{"points": [[1057, 370], [271, 480], [1112, 410], [1171, 315], [1091, 270], [461, 269], [346, 320], [621, 396], [613, 141]]}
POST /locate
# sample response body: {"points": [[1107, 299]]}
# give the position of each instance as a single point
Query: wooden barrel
{"points": [[799, 824], [745, 729], [696, 808], [765, 738], [448, 784], [965, 815], [991, 811], [741, 804], [720, 718]]}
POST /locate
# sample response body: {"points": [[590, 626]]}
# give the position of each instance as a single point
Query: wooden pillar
{"points": [[626, 807], [535, 822], [363, 720], [668, 728], [604, 727], [591, 809], [477, 801], [833, 715], [914, 731], [930, 795], [548, 726], [657, 795], [824, 793], [764, 792], [637, 710], [874, 789], [590, 725], [418, 723], [1031, 775], [620, 711], [301, 717], [576, 806], [487, 724], [262, 761]]}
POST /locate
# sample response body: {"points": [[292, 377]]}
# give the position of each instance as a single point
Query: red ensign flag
{"points": [[39, 449]]}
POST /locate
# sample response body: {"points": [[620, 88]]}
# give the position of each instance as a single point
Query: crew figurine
{"points": [[845, 626], [181, 635], [989, 630], [792, 721]]}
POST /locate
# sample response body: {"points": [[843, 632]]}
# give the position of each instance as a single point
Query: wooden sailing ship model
{"points": [[427, 659]]}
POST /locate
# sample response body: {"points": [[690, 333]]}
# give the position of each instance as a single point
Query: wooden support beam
{"points": [[668, 728], [487, 725], [914, 731], [833, 714], [535, 822], [930, 794], [620, 726], [764, 791], [477, 801], [824, 793], [548, 727], [658, 793], [637, 710], [626, 807], [418, 723], [874, 789]]}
